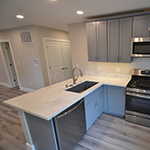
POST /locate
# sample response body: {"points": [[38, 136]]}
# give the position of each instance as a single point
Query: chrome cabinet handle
{"points": [[149, 31], [117, 57], [120, 57]]}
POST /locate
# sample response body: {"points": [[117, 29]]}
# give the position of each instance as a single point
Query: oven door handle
{"points": [[138, 95]]}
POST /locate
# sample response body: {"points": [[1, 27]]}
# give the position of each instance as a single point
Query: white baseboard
{"points": [[26, 89], [5, 84], [30, 147]]}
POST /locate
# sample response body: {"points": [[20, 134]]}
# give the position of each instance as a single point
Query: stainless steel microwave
{"points": [[140, 47]]}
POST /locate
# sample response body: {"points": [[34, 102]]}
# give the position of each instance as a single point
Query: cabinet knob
{"points": [[63, 68]]}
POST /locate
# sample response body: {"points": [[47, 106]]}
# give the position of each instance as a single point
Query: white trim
{"points": [[52, 39], [5, 84], [49, 76], [26, 89], [45, 53], [9, 80], [30, 147], [7, 40], [25, 127]]}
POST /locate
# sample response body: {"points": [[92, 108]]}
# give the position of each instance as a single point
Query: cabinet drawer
{"points": [[92, 95]]}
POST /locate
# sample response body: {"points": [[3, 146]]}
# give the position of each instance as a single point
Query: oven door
{"points": [[138, 108], [139, 103]]}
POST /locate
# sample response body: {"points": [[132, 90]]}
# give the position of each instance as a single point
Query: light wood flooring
{"points": [[11, 133], [107, 133], [114, 133]]}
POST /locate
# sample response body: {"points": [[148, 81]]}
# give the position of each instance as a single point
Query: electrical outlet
{"points": [[99, 68], [117, 69], [19, 63], [1, 78], [31, 84]]}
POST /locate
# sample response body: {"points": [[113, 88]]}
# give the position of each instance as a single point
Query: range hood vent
{"points": [[26, 37]]}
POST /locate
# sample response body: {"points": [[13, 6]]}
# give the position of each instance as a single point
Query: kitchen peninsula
{"points": [[46, 103]]}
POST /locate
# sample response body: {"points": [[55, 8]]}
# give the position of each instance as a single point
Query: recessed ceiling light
{"points": [[79, 12], [19, 16]]}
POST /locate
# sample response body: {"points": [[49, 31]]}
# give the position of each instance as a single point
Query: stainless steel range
{"points": [[138, 98]]}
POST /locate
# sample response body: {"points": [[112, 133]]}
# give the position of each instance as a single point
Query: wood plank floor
{"points": [[11, 133], [114, 133], [107, 133]]}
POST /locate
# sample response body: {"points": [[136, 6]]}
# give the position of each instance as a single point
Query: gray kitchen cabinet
{"points": [[125, 40], [93, 106], [119, 40], [97, 41], [116, 100], [141, 25], [91, 41], [42, 133], [101, 41], [113, 40]]}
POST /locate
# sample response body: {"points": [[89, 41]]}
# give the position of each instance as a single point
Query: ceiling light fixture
{"points": [[19, 16], [79, 12]]}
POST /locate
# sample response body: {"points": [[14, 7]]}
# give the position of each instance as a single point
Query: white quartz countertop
{"points": [[48, 102]]}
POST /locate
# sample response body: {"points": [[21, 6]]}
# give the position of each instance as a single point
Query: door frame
{"points": [[8, 76], [45, 53]]}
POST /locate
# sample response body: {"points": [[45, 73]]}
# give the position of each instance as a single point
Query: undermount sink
{"points": [[81, 87]]}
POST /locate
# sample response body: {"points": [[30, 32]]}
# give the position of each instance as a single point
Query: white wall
{"points": [[29, 75], [77, 35]]}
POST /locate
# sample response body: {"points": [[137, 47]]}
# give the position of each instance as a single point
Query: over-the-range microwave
{"points": [[140, 47]]}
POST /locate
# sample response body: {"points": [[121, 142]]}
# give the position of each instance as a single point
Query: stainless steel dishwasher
{"points": [[70, 126]]}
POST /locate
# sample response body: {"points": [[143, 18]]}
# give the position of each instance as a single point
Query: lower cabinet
{"points": [[116, 100], [93, 106]]}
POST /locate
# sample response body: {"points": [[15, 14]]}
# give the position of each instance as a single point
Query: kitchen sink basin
{"points": [[79, 88]]}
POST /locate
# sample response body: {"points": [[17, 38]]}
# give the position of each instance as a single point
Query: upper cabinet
{"points": [[113, 40], [119, 40], [141, 25], [91, 41], [110, 40], [97, 41], [125, 40]]}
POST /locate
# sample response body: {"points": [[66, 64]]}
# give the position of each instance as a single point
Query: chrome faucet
{"points": [[75, 79]]}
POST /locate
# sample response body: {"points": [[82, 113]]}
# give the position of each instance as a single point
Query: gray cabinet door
{"points": [[91, 41], [140, 26], [125, 40], [101, 41], [99, 105], [113, 40], [116, 100]]}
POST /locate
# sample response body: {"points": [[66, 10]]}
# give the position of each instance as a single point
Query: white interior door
{"points": [[67, 60], [54, 61]]}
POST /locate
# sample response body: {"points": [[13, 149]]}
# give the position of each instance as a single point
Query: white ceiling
{"points": [[58, 14]]}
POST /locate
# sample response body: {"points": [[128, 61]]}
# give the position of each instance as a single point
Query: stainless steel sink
{"points": [[79, 88]]}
